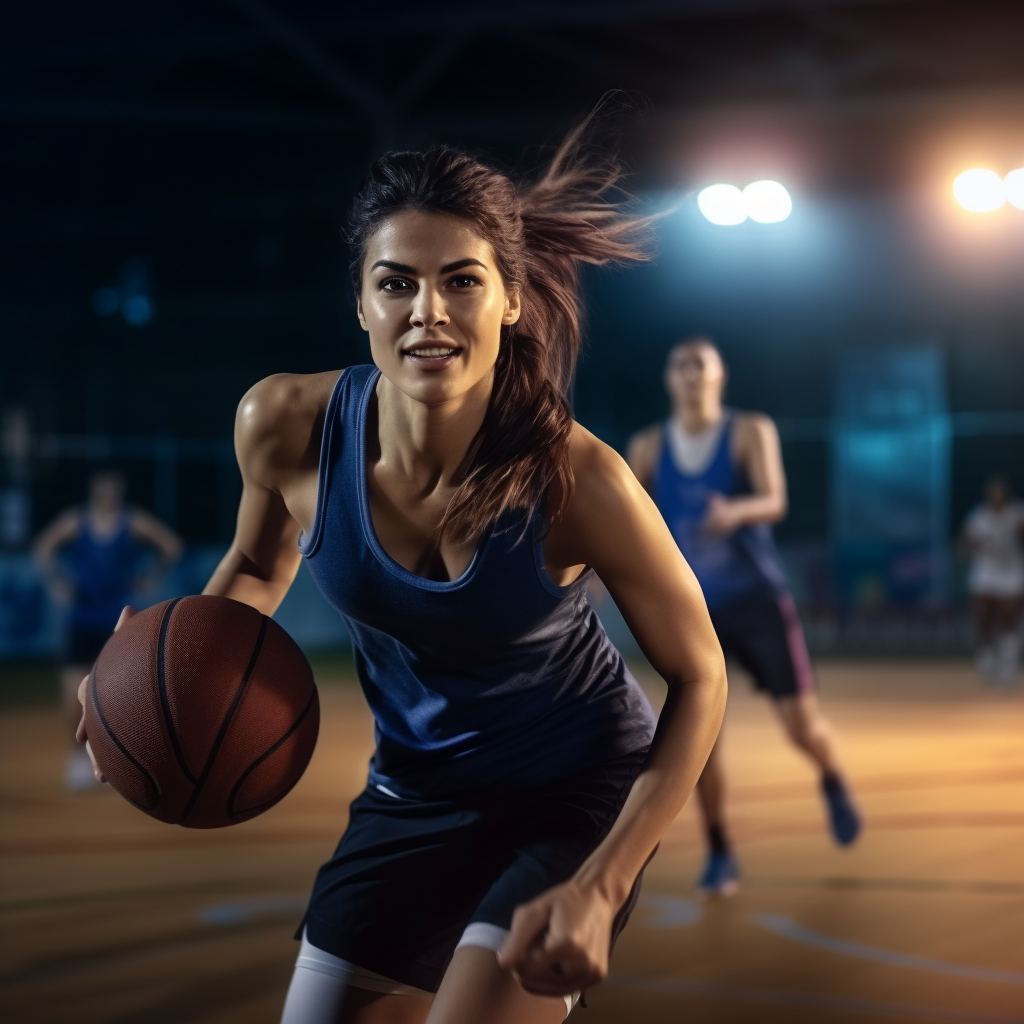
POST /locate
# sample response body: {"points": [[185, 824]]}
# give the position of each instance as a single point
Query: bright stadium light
{"points": [[979, 190], [767, 202], [1013, 187], [722, 204]]}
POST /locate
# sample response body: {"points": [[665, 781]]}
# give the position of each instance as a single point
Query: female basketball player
{"points": [[449, 507], [92, 557]]}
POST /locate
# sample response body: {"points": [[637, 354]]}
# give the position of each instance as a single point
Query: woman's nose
{"points": [[428, 310]]}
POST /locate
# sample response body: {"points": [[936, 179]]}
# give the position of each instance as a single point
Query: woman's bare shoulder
{"points": [[606, 507], [280, 419], [601, 475]]}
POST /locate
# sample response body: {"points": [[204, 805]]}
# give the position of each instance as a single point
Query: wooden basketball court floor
{"points": [[109, 917]]}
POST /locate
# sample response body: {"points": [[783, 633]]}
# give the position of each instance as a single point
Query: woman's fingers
{"points": [[559, 968], [80, 733], [126, 613], [545, 956], [529, 923], [83, 696], [100, 777]]}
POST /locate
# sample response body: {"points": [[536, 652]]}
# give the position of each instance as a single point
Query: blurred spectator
{"points": [[993, 534], [93, 558]]}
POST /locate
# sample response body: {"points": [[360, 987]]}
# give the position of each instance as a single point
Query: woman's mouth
{"points": [[432, 357]]}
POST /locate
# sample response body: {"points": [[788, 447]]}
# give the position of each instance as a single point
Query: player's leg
{"points": [[984, 607], [775, 652], [560, 826], [721, 871], [769, 641], [315, 998], [811, 733], [809, 730], [711, 792], [476, 989], [1007, 645], [328, 990]]}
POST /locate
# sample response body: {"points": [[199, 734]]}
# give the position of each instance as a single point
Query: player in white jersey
{"points": [[994, 535]]}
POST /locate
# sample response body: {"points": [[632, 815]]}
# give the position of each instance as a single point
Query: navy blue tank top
{"points": [[727, 568], [497, 680], [102, 569]]}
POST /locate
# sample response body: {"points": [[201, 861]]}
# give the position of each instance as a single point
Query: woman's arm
{"points": [[560, 941], [277, 443]]}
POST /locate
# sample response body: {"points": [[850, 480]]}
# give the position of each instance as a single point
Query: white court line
{"points": [[784, 926]]}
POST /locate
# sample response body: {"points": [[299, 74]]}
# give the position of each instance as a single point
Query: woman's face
{"points": [[434, 303]]}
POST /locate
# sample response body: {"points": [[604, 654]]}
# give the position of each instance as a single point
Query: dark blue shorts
{"points": [[762, 632], [408, 876]]}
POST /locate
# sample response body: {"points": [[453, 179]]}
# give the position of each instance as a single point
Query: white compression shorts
{"points": [[320, 979]]}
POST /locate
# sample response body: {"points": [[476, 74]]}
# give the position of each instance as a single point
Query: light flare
{"points": [[722, 204], [979, 190]]}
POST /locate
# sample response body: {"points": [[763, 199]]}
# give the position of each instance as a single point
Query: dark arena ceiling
{"points": [[108, 107]]}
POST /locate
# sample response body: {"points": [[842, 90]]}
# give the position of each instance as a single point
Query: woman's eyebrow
{"points": [[402, 268], [459, 264]]}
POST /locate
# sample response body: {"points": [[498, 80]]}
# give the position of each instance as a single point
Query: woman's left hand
{"points": [[560, 942]]}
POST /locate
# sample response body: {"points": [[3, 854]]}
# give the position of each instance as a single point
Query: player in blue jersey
{"points": [[92, 558], [449, 507], [717, 477]]}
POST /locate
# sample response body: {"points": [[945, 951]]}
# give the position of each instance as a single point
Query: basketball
{"points": [[202, 712]]}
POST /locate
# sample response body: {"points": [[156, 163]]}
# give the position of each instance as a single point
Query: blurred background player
{"points": [[993, 533], [93, 558], [717, 478]]}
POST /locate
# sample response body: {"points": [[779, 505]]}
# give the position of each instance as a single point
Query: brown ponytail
{"points": [[540, 234]]}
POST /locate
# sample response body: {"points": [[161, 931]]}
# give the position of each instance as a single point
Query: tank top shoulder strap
{"points": [[727, 470], [340, 424], [723, 454], [664, 463]]}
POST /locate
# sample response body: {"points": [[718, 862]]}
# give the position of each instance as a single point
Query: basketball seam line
{"points": [[259, 760], [120, 746], [224, 725], [162, 683]]}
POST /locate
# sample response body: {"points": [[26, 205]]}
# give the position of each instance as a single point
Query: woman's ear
{"points": [[513, 305], [359, 313]]}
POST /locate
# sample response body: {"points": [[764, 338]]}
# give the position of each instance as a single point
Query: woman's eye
{"points": [[394, 284], [464, 281]]}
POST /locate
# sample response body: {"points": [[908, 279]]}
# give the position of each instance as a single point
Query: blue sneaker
{"points": [[721, 876], [843, 818]]}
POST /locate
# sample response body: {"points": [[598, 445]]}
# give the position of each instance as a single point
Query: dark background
{"points": [[220, 143]]}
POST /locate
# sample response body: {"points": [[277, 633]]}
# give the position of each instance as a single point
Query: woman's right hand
{"points": [[83, 695]]}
